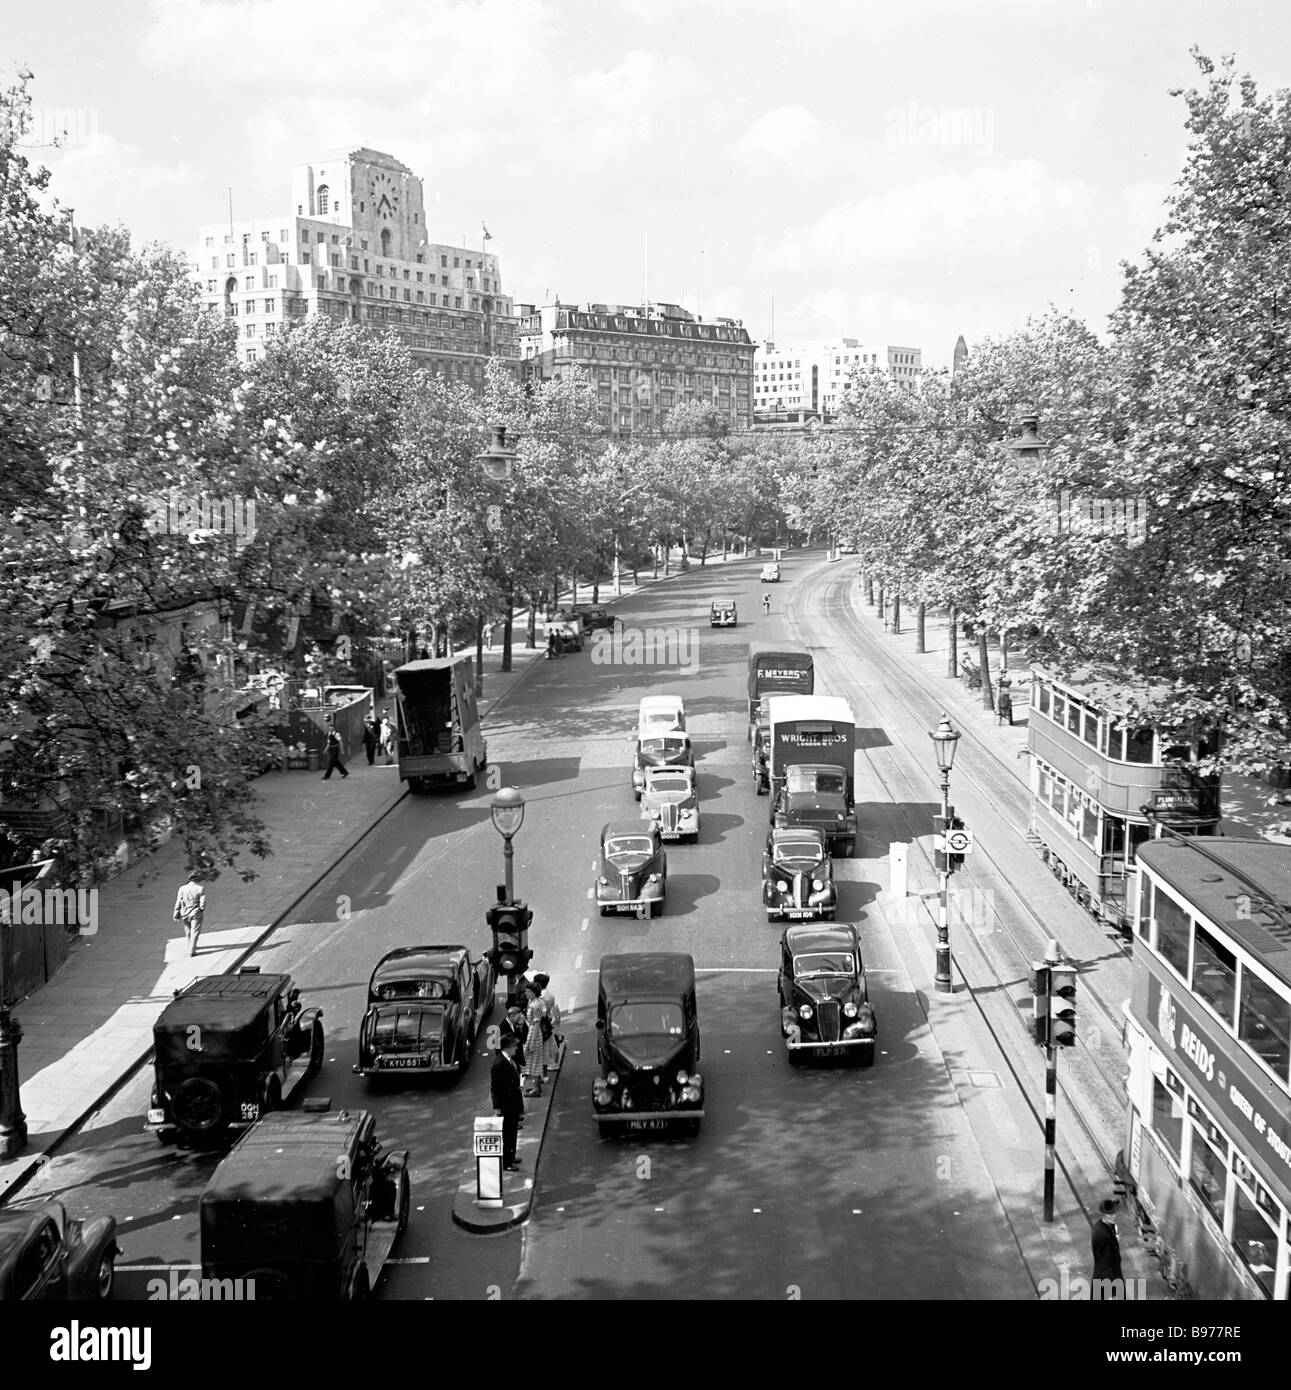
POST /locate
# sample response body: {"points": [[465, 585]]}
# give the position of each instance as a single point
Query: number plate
{"points": [[394, 1063], [250, 1110], [833, 1050], [156, 1117], [671, 834], [647, 1124], [797, 914]]}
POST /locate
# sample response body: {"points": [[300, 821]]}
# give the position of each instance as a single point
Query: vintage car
{"points": [[671, 800], [306, 1207], [633, 875], [722, 613], [825, 1008], [660, 714], [228, 1049], [425, 1007], [771, 573], [567, 630], [46, 1255], [761, 760], [593, 616], [647, 1044], [660, 750], [817, 795], [798, 875]]}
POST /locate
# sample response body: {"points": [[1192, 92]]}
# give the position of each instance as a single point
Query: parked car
{"points": [[660, 750], [661, 714], [670, 799], [566, 629], [305, 1206], [228, 1049], [425, 1007], [722, 613], [771, 573], [44, 1254], [633, 873], [762, 759], [825, 1008], [798, 875], [647, 1044], [594, 616]]}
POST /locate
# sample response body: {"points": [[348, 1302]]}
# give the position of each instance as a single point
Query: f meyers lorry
{"points": [[813, 748], [777, 668], [440, 741]]}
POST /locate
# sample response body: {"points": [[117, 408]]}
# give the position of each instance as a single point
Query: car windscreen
{"points": [[647, 1020], [805, 779], [629, 844], [805, 852], [666, 746], [806, 967], [668, 782], [413, 989]]}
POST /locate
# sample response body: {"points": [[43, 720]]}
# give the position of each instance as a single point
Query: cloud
{"points": [[790, 138], [104, 178]]}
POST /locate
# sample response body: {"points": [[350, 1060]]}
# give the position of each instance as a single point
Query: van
{"points": [[660, 714]]}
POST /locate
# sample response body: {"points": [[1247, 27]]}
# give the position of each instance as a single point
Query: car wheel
{"points": [[271, 1098], [606, 1131], [690, 1129], [317, 1045], [360, 1290], [272, 1285], [605, 911], [198, 1105], [405, 1203], [105, 1276], [636, 795], [470, 783], [795, 1057], [867, 1057]]}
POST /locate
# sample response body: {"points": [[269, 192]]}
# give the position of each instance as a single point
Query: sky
{"points": [[895, 172]]}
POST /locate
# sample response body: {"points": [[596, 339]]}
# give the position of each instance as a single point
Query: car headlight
{"points": [[841, 816], [696, 1080], [611, 1078], [818, 884], [805, 1011], [604, 882], [682, 1077], [849, 1009], [654, 878], [781, 886]]}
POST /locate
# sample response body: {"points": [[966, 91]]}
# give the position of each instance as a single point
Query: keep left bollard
{"points": [[488, 1160]]}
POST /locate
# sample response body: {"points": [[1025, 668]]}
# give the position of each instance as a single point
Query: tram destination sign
{"points": [[1176, 799]]}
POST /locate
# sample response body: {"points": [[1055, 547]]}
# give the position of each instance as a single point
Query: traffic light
{"points": [[509, 923], [1040, 1003], [1062, 1006], [956, 823]]}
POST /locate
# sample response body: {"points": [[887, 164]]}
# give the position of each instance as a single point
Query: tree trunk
{"points": [[869, 590], [506, 631], [896, 612], [952, 658], [667, 558], [1004, 650], [555, 590], [596, 590], [919, 644], [479, 655], [883, 607], [531, 625], [984, 656], [723, 542]]}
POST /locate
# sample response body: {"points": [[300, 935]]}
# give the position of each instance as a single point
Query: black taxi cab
{"points": [[825, 1008]]}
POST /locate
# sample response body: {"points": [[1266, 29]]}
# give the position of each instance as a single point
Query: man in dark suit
{"points": [[504, 1083], [1107, 1254]]}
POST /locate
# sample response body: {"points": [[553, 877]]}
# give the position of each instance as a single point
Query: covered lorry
{"points": [[777, 668], [440, 739], [812, 763]]}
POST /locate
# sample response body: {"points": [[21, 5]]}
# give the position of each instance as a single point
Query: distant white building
{"points": [[810, 377]]}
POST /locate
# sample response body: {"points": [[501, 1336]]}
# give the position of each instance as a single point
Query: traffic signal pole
{"points": [[1053, 991], [1050, 1127]]}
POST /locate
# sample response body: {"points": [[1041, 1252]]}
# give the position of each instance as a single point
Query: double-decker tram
{"points": [[1209, 1038], [1101, 787]]}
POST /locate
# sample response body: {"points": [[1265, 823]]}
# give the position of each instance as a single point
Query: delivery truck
{"points": [[777, 668], [440, 742], [812, 762]]}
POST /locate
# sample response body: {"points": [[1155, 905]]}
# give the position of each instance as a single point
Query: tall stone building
{"points": [[353, 245], [644, 359], [809, 378], [961, 356]]}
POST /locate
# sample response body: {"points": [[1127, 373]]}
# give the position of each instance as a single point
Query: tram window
{"points": [[1214, 974], [1139, 834], [1255, 1240], [1264, 1023], [1138, 746], [1089, 826], [1209, 1175], [1074, 712], [1042, 697], [1167, 1118], [1058, 795], [1116, 744], [1173, 930], [1091, 728], [1114, 836], [1059, 707]]}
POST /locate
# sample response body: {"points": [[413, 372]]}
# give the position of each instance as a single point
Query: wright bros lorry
{"points": [[440, 740], [812, 763], [776, 668]]}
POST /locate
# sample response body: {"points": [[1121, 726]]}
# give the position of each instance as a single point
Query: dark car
{"points": [[818, 795], [660, 750], [594, 616], [228, 1049], [762, 759], [633, 873], [797, 875], [305, 1206], [46, 1255], [825, 1008], [425, 1007], [647, 1044], [722, 613]]}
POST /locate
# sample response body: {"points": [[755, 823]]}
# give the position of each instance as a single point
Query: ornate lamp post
{"points": [[498, 458], [944, 741], [507, 809]]}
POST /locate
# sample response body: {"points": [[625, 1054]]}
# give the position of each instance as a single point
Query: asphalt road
{"points": [[826, 1182]]}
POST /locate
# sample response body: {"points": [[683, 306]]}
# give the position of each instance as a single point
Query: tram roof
{"points": [[1239, 885], [1105, 688]]}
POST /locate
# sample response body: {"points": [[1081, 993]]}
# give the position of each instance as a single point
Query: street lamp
{"points": [[507, 809], [944, 741], [497, 459]]}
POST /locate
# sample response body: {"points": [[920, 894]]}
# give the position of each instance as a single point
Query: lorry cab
{"points": [[813, 741], [660, 714], [776, 668]]}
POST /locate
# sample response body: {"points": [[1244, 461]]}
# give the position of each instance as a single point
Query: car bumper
{"points": [[686, 825], [837, 1048], [792, 912], [419, 1068], [646, 1119], [628, 905]]}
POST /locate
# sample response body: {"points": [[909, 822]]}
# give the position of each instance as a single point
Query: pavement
{"points": [[86, 1031]]}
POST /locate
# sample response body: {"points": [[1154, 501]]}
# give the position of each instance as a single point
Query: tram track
{"points": [[1088, 1083]]}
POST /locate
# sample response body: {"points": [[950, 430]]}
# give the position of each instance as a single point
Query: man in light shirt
{"points": [[190, 905]]}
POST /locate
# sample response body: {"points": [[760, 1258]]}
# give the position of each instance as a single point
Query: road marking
{"points": [[739, 970], [410, 1260], [156, 1269], [590, 892], [585, 921], [578, 963]]}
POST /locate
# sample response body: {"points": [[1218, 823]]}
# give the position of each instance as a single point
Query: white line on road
{"points": [[578, 961], [735, 970]]}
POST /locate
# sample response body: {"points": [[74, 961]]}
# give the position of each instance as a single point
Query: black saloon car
{"points": [[229, 1048], [633, 873], [46, 1255], [825, 1008], [594, 616], [798, 875], [660, 750], [425, 1007], [647, 1044]]}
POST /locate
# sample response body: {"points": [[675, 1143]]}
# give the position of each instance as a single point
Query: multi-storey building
{"points": [[811, 377], [644, 359], [354, 246]]}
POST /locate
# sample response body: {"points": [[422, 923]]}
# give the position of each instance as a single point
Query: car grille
{"points": [[827, 1019], [626, 886], [669, 812], [646, 1095]]}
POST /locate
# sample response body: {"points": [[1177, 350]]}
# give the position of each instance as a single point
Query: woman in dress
{"points": [[551, 1010], [535, 1049]]}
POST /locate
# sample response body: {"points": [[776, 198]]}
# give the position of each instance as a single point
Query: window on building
{"points": [[456, 263], [1173, 932], [282, 234], [304, 235], [272, 282], [1264, 1022], [251, 330], [230, 260], [1167, 1118], [268, 306], [304, 258], [443, 260], [251, 354], [443, 279], [324, 199], [457, 301], [215, 263]]}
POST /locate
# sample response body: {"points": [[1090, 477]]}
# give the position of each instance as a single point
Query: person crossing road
{"points": [[766, 604]]}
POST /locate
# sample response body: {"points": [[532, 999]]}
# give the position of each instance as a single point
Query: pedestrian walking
{"points": [[370, 738], [552, 1039], [504, 1088], [1004, 707], [1107, 1253], [333, 750], [766, 604], [190, 908], [533, 1052], [386, 733]]}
